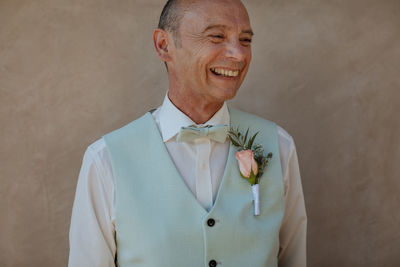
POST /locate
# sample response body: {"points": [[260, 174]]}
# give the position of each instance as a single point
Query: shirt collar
{"points": [[172, 119]]}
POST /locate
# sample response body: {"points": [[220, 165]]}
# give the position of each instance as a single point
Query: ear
{"points": [[161, 44]]}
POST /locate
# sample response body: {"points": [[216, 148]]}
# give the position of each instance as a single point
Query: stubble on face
{"points": [[213, 38]]}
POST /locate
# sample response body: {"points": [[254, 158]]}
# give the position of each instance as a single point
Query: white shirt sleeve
{"points": [[92, 230], [293, 233]]}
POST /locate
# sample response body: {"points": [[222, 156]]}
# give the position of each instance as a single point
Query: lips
{"points": [[225, 72]]}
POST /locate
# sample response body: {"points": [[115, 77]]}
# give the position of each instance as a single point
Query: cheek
{"points": [[248, 60], [248, 55]]}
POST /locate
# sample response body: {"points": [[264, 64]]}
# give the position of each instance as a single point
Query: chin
{"points": [[225, 94]]}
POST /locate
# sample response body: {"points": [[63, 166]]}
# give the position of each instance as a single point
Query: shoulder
{"points": [[285, 139], [97, 161], [242, 116], [97, 150], [139, 125]]}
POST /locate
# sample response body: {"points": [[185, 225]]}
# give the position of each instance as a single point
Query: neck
{"points": [[196, 108]]}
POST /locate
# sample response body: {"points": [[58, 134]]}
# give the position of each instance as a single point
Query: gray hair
{"points": [[170, 18]]}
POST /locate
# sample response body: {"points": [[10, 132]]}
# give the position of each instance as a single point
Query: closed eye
{"points": [[246, 41], [219, 36]]}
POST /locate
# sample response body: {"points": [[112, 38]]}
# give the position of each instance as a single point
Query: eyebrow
{"points": [[249, 31]]}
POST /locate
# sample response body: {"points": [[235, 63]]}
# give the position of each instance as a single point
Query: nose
{"points": [[236, 51]]}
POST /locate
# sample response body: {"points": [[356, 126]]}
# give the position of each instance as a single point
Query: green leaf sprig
{"points": [[245, 142]]}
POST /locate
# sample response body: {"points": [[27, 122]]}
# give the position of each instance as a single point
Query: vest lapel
{"points": [[233, 188], [177, 179]]}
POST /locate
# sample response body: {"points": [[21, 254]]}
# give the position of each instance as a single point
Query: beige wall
{"points": [[328, 71]]}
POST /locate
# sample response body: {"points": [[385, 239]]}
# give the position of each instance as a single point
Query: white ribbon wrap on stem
{"points": [[256, 196]]}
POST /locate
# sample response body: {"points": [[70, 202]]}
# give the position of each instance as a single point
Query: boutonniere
{"points": [[251, 160]]}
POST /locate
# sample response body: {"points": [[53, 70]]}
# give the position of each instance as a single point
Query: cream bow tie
{"points": [[217, 133]]}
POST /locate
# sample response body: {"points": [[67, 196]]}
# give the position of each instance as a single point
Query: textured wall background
{"points": [[325, 70]]}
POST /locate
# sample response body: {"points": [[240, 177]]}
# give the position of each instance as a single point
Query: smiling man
{"points": [[166, 189], [208, 54]]}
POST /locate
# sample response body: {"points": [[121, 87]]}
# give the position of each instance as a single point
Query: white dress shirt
{"points": [[201, 164]]}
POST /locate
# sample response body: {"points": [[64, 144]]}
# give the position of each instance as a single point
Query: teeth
{"points": [[226, 72]]}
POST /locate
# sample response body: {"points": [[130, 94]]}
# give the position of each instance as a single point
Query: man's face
{"points": [[213, 50]]}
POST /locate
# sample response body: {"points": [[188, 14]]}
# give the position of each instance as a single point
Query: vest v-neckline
{"points": [[185, 188]]}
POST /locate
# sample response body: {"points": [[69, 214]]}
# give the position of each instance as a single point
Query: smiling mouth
{"points": [[224, 72]]}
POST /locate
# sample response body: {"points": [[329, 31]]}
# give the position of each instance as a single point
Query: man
{"points": [[148, 197]]}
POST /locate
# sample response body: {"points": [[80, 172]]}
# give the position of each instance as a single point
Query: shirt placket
{"points": [[203, 174]]}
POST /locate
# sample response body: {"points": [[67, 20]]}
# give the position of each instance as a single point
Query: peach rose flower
{"points": [[246, 162]]}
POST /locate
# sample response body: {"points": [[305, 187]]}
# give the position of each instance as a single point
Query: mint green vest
{"points": [[159, 222]]}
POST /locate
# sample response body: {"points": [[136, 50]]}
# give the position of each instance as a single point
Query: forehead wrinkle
{"points": [[213, 26], [210, 27], [188, 9]]}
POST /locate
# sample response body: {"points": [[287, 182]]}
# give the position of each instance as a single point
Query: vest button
{"points": [[212, 263], [210, 222]]}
